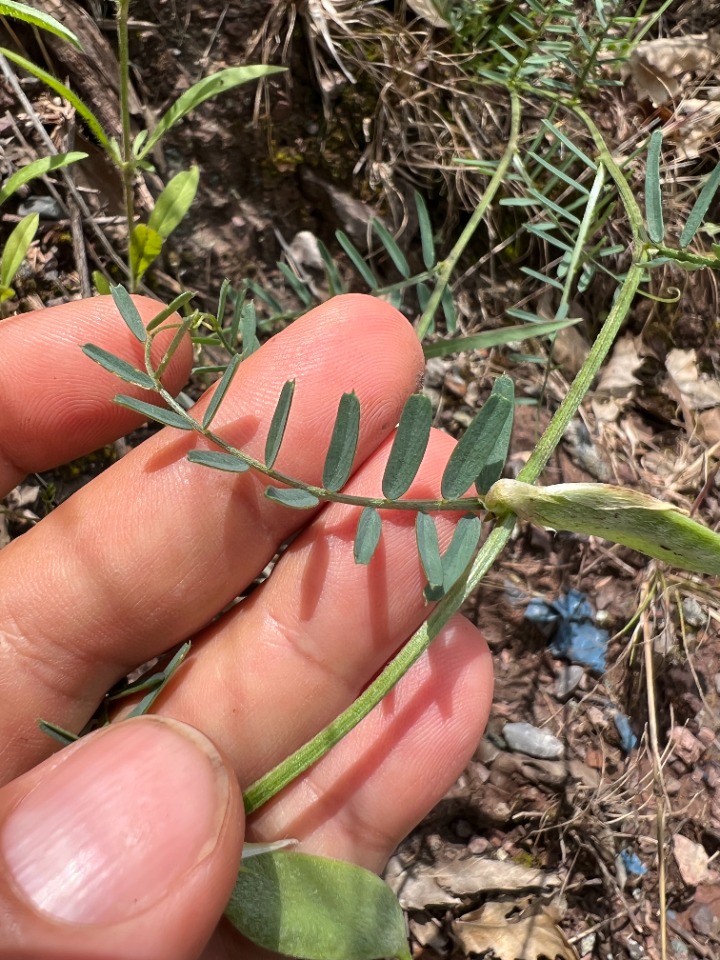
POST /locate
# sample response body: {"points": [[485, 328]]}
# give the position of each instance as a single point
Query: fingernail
{"points": [[111, 828]]}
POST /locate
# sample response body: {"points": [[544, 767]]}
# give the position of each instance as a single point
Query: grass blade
{"points": [[38, 168], [494, 338]]}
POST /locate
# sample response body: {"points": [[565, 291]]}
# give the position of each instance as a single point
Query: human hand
{"points": [[126, 844]]}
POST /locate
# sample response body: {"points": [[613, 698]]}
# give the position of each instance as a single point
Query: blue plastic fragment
{"points": [[633, 863], [628, 740], [576, 638]]}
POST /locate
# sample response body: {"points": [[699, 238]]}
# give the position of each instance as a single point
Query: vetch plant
{"points": [[310, 907]]}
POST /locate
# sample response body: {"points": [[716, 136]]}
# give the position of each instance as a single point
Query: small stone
{"points": [[567, 681], [704, 921], [687, 747], [45, 207], [525, 738], [692, 860]]}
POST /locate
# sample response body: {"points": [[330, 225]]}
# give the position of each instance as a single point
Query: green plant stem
{"points": [[284, 773], [448, 265], [127, 167]]}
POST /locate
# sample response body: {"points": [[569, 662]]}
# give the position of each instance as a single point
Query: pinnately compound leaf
{"points": [[429, 549], [292, 497], [702, 204], [653, 198], [129, 312], [119, 367], [218, 460], [278, 423], [480, 454], [343, 443], [367, 536], [408, 447], [624, 516], [150, 412], [316, 909], [221, 390]]}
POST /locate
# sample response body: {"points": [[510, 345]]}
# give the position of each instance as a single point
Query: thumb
{"points": [[123, 846]]}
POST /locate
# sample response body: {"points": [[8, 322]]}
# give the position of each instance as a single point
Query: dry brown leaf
{"points": [[529, 938], [618, 374], [699, 393], [692, 860], [656, 66], [444, 882]]}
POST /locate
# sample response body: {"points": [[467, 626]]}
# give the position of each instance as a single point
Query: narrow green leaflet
{"points": [[57, 733], [129, 312], [218, 460], [150, 412], [21, 11], [100, 283], [316, 909], [426, 234], [161, 681], [481, 451], [429, 549], [250, 342], [343, 443], [16, 247], [700, 207], [357, 260], [408, 447], [174, 202], [653, 198], [278, 423], [367, 535], [462, 547], [38, 168], [203, 90], [448, 305], [220, 390], [388, 241], [176, 304], [290, 497], [624, 516], [119, 367], [494, 338], [145, 247], [65, 92], [335, 283], [296, 285]]}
